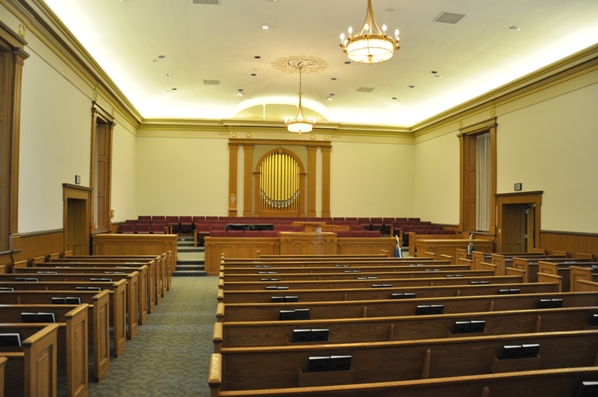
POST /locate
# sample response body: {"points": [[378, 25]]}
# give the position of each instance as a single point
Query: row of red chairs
{"points": [[274, 233]]}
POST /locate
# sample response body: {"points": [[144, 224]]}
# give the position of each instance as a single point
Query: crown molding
{"points": [[45, 25]]}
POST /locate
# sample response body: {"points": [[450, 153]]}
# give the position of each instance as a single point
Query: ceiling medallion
{"points": [[294, 63]]}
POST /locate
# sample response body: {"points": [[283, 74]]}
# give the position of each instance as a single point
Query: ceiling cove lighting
{"points": [[371, 44], [300, 123]]}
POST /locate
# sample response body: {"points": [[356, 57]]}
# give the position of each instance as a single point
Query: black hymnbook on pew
{"points": [[329, 363], [69, 300], [38, 317], [10, 340]]}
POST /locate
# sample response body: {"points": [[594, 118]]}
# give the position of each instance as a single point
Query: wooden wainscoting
{"points": [[572, 243], [36, 244]]}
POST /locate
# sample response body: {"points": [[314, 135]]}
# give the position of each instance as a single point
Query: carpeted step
{"points": [[189, 273]]}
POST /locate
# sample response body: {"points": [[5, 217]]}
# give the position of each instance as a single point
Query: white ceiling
{"points": [[219, 42]]}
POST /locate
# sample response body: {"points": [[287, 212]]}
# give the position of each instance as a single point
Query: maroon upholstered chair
{"points": [[142, 217], [373, 233], [358, 233], [158, 218], [143, 228], [218, 233], [158, 228], [202, 229], [376, 224], [387, 224], [234, 233], [186, 224], [356, 226], [365, 222], [126, 228], [343, 233], [173, 223], [252, 233]]}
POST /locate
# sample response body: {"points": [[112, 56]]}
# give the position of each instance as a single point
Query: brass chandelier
{"points": [[300, 123], [371, 44]]}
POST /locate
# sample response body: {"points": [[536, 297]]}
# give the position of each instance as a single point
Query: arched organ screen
{"points": [[280, 184]]}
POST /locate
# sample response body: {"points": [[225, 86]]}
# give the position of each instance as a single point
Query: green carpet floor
{"points": [[169, 357]]}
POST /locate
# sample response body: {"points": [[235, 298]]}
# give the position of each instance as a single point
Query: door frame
{"points": [[534, 199], [79, 193]]}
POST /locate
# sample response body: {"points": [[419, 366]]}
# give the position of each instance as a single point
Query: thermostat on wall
{"points": [[77, 179], [518, 187]]}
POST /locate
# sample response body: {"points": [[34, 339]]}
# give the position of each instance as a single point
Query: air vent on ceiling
{"points": [[447, 17], [215, 2], [211, 82], [365, 89]]}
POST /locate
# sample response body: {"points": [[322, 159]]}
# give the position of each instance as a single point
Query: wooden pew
{"points": [[314, 295], [339, 269], [72, 345], [32, 370], [99, 272], [157, 270], [317, 263], [163, 266], [504, 261], [288, 366], [239, 312], [578, 273], [100, 317], [294, 285], [132, 287], [561, 271], [94, 324], [477, 256], [546, 383], [356, 276], [117, 298], [391, 328], [530, 265], [317, 257]]}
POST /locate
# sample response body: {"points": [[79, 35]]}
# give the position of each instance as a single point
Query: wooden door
{"points": [[514, 228], [76, 228]]}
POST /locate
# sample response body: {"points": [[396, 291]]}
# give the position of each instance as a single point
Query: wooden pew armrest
{"points": [[220, 311]]}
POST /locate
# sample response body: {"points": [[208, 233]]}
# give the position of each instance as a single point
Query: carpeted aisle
{"points": [[169, 357]]}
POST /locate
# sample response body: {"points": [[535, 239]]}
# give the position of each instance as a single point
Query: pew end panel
{"points": [[551, 278]]}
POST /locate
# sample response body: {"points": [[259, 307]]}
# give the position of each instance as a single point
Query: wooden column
{"points": [[232, 179], [247, 179], [311, 181], [326, 182]]}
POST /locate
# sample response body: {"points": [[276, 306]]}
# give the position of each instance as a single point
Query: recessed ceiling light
{"points": [[438, 76], [253, 74], [257, 57], [391, 9], [347, 62], [161, 56], [154, 61], [334, 78], [173, 89], [168, 74], [514, 28], [411, 86], [265, 26], [433, 72], [330, 98]]}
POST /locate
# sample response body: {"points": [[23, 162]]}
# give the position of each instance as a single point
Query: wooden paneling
{"points": [[231, 247], [572, 243], [247, 247], [450, 246], [136, 244]]}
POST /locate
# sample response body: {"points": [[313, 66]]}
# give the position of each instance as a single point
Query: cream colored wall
{"points": [[178, 175], [123, 173], [371, 179], [436, 179], [552, 146], [54, 145]]}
